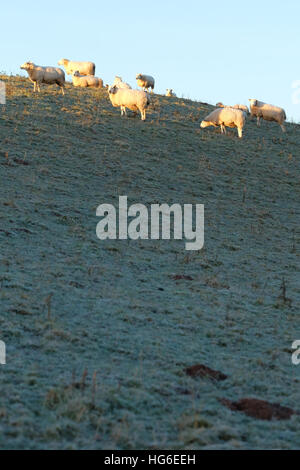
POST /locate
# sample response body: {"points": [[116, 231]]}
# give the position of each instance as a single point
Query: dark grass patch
{"points": [[259, 409], [203, 371], [180, 277]]}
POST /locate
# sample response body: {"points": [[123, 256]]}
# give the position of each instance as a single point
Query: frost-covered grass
{"points": [[98, 334]]}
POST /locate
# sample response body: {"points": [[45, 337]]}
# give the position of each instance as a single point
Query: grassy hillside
{"points": [[99, 334]]}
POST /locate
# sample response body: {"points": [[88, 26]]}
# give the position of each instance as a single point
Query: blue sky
{"points": [[210, 51]]}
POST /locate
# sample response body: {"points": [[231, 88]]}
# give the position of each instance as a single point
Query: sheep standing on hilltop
{"points": [[145, 81], [85, 81], [268, 112], [118, 82], [170, 92], [84, 68], [49, 75], [242, 107], [135, 100], [226, 117]]}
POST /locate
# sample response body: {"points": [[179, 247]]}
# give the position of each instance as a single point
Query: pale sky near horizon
{"points": [[209, 51]]}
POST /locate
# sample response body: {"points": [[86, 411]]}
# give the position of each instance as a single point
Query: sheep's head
{"points": [[27, 66], [139, 76], [76, 74], [220, 105], [62, 61], [118, 79], [112, 90], [204, 124], [253, 102]]}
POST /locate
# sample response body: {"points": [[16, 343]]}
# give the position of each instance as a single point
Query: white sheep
{"points": [[242, 107], [225, 117], [135, 100], [118, 82], [86, 80], [268, 112], [49, 75], [170, 92], [145, 81], [84, 68]]}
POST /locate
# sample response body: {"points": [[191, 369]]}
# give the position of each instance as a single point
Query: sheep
{"points": [[84, 68], [135, 100], [86, 80], [49, 75], [268, 112], [228, 117], [145, 81], [170, 92], [242, 107], [118, 82]]}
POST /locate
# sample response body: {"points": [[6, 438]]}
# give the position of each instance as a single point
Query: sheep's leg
{"points": [[240, 132], [143, 113], [34, 86], [258, 121], [283, 127], [61, 86], [38, 87]]}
